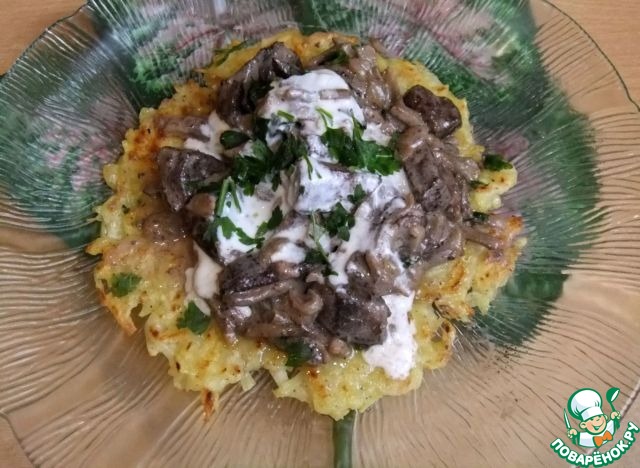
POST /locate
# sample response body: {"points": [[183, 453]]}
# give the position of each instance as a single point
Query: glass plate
{"points": [[77, 392]]}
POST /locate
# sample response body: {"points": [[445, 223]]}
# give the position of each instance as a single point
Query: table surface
{"points": [[613, 25]]}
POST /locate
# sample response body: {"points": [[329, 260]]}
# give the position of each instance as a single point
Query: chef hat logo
{"points": [[584, 404]]}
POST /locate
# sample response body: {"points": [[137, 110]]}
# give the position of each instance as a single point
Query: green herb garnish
{"points": [[340, 58], [327, 118], [223, 54], [318, 256], [475, 184], [261, 128], [194, 319], [393, 141], [125, 209], [480, 217], [286, 116], [298, 352], [232, 138], [338, 222], [122, 284], [494, 162], [258, 90], [358, 195], [274, 222], [228, 228], [355, 152]]}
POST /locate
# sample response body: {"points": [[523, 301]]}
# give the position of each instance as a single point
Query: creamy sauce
{"points": [[201, 281], [191, 295], [363, 236], [302, 96], [205, 276], [397, 354], [325, 186]]}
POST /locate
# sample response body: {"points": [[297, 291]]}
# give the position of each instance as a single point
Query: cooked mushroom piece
{"points": [[189, 126], [354, 315], [181, 170], [238, 95], [439, 113]]}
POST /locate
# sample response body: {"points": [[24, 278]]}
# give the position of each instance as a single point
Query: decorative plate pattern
{"points": [[77, 392]]}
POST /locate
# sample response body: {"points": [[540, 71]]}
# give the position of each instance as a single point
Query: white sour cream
{"points": [[302, 96], [205, 275], [397, 354]]}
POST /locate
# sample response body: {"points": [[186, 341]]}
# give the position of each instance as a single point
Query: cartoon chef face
{"points": [[586, 406], [595, 425]]}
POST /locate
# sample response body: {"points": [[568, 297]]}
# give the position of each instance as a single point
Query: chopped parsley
{"points": [[249, 170], [338, 222], [261, 128], [358, 153], [318, 256], [327, 118], [358, 195], [228, 228], [475, 184], [122, 284], [194, 319], [232, 138], [298, 352], [286, 116], [258, 90], [480, 217], [125, 209], [340, 57], [393, 141], [227, 188], [221, 55], [494, 162], [274, 222]]}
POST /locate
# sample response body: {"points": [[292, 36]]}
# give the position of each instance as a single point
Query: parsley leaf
{"points": [[232, 138], [249, 170], [358, 195], [338, 222], [480, 217], [274, 222], [355, 152], [194, 319], [286, 116], [326, 116], [229, 228], [221, 55], [475, 184], [122, 284], [261, 128], [290, 150], [339, 58], [298, 352], [318, 256], [258, 90], [228, 187], [494, 162]]}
